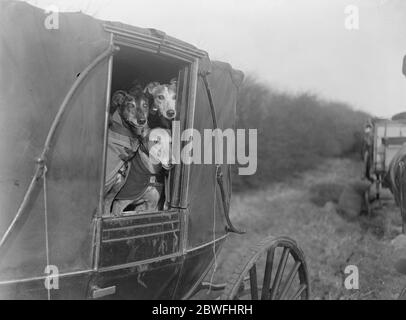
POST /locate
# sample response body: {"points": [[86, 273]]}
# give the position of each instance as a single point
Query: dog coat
{"points": [[121, 147], [142, 174], [129, 169]]}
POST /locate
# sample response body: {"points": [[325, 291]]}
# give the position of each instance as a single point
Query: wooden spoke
{"points": [[241, 289], [279, 273], [253, 282], [268, 274], [290, 279], [402, 295], [299, 292]]}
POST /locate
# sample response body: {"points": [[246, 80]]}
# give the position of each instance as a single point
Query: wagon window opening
{"points": [[144, 103]]}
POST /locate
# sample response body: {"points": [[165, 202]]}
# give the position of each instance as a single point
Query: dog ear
{"points": [[136, 83], [150, 88], [136, 88], [118, 99], [173, 84]]}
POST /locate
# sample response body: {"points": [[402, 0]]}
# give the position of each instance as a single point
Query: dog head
{"points": [[132, 108], [163, 98]]}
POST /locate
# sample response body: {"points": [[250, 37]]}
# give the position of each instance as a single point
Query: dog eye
{"points": [[161, 97]]}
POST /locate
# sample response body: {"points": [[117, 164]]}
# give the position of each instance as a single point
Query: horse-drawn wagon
{"points": [[57, 241], [396, 179], [387, 138], [383, 140], [395, 169]]}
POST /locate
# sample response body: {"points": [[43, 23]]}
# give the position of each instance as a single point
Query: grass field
{"points": [[304, 208]]}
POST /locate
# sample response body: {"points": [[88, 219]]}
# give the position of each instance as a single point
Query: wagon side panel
{"points": [[39, 66], [206, 221]]}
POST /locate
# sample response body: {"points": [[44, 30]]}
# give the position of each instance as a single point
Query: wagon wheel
{"points": [[270, 254]]}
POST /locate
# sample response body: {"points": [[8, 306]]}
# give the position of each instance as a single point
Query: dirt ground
{"points": [[304, 209]]}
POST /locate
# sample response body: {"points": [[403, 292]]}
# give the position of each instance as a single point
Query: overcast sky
{"points": [[294, 45]]}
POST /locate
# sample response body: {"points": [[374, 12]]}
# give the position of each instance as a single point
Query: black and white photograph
{"points": [[199, 151]]}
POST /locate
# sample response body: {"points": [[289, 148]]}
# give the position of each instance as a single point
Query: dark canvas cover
{"points": [[38, 67], [205, 203]]}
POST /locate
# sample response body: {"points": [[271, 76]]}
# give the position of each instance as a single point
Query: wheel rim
{"points": [[277, 265]]}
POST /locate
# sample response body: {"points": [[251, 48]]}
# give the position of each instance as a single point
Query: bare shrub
{"points": [[295, 131]]}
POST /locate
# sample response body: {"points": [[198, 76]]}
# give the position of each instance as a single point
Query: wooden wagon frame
{"points": [[53, 168]]}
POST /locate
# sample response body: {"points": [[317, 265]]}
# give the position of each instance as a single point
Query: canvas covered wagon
{"points": [[55, 92]]}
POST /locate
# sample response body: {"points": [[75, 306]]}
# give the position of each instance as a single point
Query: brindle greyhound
{"points": [[136, 185], [133, 109]]}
